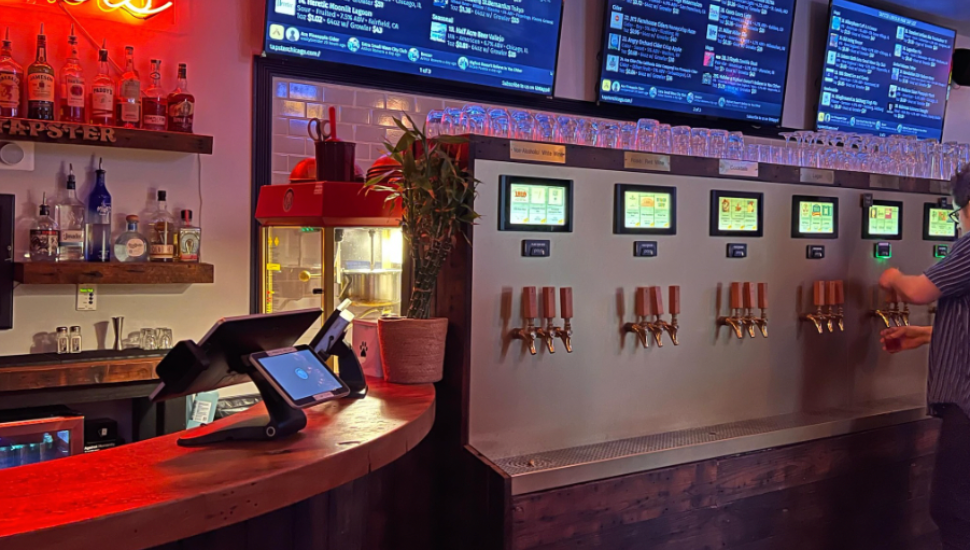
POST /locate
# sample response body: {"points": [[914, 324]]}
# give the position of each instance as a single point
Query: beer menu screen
{"points": [[509, 44], [535, 204], [724, 58], [737, 214], [938, 224], [884, 221], [645, 209], [816, 217], [884, 74]]}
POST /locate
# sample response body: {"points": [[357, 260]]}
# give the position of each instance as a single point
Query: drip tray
{"points": [[559, 468]]}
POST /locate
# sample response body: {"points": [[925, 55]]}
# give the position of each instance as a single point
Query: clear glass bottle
{"points": [[11, 80], [128, 98], [73, 92], [155, 102], [132, 246], [189, 239], [43, 236], [181, 105], [40, 83], [69, 215], [163, 232], [97, 221], [103, 91]]}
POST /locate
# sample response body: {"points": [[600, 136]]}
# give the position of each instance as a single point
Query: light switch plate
{"points": [[87, 297]]}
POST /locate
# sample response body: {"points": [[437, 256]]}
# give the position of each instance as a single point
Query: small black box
{"points": [[98, 430]]}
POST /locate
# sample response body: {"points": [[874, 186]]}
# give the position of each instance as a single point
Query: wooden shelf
{"points": [[44, 377], [65, 133], [74, 273]]}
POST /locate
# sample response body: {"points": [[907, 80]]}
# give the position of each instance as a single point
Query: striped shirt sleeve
{"points": [[952, 274]]}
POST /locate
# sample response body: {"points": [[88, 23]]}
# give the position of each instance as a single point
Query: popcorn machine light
{"points": [[324, 242]]}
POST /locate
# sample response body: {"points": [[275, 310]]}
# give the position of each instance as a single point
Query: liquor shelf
{"points": [[48, 371], [64, 133], [73, 273]]}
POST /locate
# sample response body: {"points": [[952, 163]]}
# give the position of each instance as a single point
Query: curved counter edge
{"points": [[154, 492]]}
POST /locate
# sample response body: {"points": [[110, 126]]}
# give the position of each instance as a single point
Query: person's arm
{"points": [[912, 289], [948, 278]]}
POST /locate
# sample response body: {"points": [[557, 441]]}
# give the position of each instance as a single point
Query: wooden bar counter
{"points": [[156, 493]]}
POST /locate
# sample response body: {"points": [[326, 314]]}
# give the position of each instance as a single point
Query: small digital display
{"points": [[645, 209], [937, 225], [815, 217], [301, 374], [737, 214], [884, 221], [533, 204]]}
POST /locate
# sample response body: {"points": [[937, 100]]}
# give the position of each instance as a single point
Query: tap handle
{"points": [[892, 297], [530, 307], [834, 298], [549, 302], [736, 296], [763, 295], [748, 291], [819, 293], [566, 302], [656, 301], [674, 300], [641, 302], [840, 292]]}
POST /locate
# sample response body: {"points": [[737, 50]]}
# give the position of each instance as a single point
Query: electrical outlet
{"points": [[17, 155], [87, 297]]}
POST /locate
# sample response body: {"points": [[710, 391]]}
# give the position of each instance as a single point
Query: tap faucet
{"points": [[886, 314], [734, 320], [837, 309], [548, 334], [904, 314], [748, 320], [762, 321], [529, 312], [658, 325], [819, 318], [566, 332], [673, 326], [642, 311]]}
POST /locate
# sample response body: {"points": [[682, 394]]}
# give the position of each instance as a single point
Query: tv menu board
{"points": [[737, 214], [815, 217], [535, 204], [937, 225], [511, 44], [884, 220], [884, 74], [707, 57], [645, 209]]}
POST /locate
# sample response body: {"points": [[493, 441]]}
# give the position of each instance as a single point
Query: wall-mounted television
{"points": [[884, 74], [705, 57], [509, 45]]}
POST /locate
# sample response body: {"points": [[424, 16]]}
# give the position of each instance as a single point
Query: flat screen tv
{"points": [[884, 74], [511, 44], [704, 57]]}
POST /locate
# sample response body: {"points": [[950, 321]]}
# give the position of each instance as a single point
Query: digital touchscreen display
{"points": [[884, 220], [815, 217], [937, 225], [737, 214], [535, 204], [300, 374], [646, 210]]}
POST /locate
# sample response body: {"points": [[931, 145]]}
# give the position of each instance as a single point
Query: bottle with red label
{"points": [[40, 83], [44, 236], [103, 91], [128, 98], [155, 102], [181, 105], [73, 90], [11, 79]]}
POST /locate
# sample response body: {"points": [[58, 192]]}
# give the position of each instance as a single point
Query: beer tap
{"points": [[734, 320], [673, 327], [548, 334], [762, 321], [640, 327], [819, 317], [566, 332], [892, 299], [748, 299], [884, 314], [904, 313], [530, 310], [657, 310], [837, 299]]}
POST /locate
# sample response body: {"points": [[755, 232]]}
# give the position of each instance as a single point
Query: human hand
{"points": [[897, 339], [888, 277]]}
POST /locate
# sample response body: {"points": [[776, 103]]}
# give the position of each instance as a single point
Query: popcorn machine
{"points": [[325, 242]]}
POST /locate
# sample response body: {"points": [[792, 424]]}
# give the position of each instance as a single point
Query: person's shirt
{"points": [[949, 372]]}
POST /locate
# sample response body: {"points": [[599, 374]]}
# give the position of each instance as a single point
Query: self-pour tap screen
{"points": [[724, 58], [646, 210], [737, 214], [816, 218], [537, 205], [884, 74], [510, 44], [939, 224], [884, 221]]}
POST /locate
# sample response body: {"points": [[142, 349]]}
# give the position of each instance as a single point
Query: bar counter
{"points": [[155, 492]]}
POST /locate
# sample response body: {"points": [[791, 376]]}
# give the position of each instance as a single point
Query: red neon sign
{"points": [[142, 9]]}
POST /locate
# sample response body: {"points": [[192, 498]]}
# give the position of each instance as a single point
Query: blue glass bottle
{"points": [[97, 226]]}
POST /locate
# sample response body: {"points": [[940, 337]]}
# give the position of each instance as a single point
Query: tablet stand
{"points": [[350, 370]]}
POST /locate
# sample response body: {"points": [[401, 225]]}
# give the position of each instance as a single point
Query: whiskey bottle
{"points": [[69, 215], [155, 103], [40, 83], [163, 232], [128, 98], [97, 222], [131, 246], [73, 92], [181, 105], [11, 79], [190, 239], [43, 236], [103, 91]]}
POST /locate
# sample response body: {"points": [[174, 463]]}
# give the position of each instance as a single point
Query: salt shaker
{"points": [[63, 341], [75, 339]]}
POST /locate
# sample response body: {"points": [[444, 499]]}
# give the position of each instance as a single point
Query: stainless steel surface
{"points": [[119, 326], [562, 467], [374, 288]]}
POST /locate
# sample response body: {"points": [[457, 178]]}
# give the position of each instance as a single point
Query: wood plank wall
{"points": [[860, 492]]}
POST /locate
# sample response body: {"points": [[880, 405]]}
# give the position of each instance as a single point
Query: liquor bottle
{"points": [[181, 105], [132, 246], [97, 221], [40, 83], [190, 239], [73, 92], [155, 103], [11, 79], [163, 232], [69, 215], [128, 98], [103, 91], [43, 236]]}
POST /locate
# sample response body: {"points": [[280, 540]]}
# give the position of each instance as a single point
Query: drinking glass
{"points": [[646, 138], [499, 123], [752, 152], [568, 130], [680, 140], [433, 122], [523, 125], [451, 122], [474, 120], [718, 143], [148, 339], [628, 136], [609, 135], [163, 337], [700, 142], [664, 141], [546, 128], [734, 149], [589, 132]]}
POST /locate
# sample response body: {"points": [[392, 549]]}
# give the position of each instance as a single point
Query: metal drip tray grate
{"points": [[557, 468]]}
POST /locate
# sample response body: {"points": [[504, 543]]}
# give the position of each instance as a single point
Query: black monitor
{"points": [[814, 217], [644, 210], [937, 225], [535, 204], [737, 214], [883, 221]]}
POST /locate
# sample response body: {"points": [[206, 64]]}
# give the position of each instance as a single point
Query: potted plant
{"points": [[436, 195]]}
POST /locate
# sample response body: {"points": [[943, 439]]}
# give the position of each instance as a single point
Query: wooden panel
{"points": [[63, 133], [80, 374], [113, 273]]}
